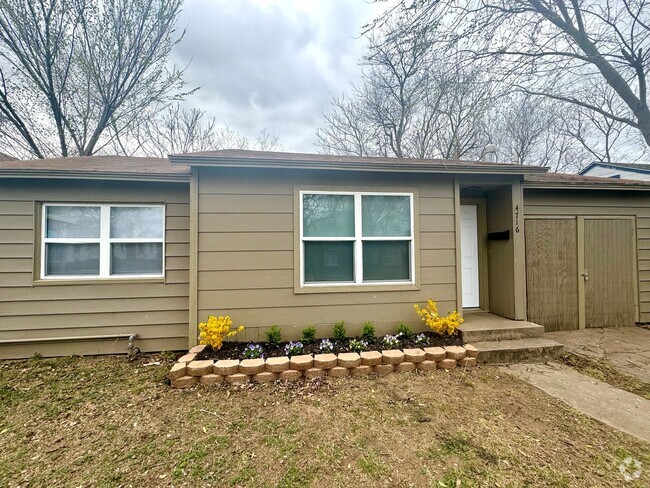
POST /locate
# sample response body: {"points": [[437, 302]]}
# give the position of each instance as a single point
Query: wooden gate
{"points": [[610, 272], [551, 273], [581, 272]]}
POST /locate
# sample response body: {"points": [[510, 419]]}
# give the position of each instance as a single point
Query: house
{"points": [[618, 170], [93, 250]]}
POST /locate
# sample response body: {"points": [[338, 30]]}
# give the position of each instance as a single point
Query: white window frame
{"points": [[104, 240], [358, 240]]}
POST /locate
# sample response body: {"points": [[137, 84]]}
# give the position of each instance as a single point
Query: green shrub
{"points": [[368, 332], [274, 336], [308, 334], [405, 330], [339, 334]]}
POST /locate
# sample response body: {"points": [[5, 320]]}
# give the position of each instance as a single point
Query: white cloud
{"points": [[273, 63]]}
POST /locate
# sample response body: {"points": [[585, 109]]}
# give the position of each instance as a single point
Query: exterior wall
{"points": [[540, 202], [605, 172], [501, 276], [246, 247], [156, 310]]}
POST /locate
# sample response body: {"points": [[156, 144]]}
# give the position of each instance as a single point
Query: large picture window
{"points": [[356, 238], [102, 241]]}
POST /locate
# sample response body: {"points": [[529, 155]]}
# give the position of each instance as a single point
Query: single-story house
{"points": [[618, 170], [92, 249]]}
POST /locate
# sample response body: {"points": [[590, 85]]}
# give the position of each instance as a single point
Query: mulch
{"points": [[235, 350]]}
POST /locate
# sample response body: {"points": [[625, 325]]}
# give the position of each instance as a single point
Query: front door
{"points": [[469, 255]]}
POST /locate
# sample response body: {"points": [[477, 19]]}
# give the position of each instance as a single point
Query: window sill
{"points": [[356, 288], [97, 281]]}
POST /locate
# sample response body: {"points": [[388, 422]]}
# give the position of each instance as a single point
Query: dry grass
{"points": [[106, 422], [604, 370]]}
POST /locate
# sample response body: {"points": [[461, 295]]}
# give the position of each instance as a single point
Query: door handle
{"points": [[585, 275]]}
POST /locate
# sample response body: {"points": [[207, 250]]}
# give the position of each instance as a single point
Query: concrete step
{"points": [[504, 330], [535, 350]]}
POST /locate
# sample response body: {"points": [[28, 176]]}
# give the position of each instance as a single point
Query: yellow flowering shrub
{"points": [[439, 325], [215, 330]]}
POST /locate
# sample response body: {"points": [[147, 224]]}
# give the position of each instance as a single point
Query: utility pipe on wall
{"points": [[130, 336]]}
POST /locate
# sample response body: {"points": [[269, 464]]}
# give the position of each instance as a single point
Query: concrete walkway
{"points": [[617, 408], [627, 348]]}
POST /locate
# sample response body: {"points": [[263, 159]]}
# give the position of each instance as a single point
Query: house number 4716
{"points": [[517, 219]]}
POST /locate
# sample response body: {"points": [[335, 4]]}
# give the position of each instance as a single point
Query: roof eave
{"points": [[403, 167], [84, 175], [581, 186], [617, 167]]}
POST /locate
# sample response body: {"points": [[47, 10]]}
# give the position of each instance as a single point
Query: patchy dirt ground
{"points": [[107, 422]]}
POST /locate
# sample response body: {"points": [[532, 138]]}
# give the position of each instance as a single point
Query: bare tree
{"points": [[346, 131], [410, 103], [74, 68], [549, 48], [535, 130], [176, 131]]}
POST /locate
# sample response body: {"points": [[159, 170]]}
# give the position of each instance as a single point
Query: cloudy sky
{"points": [[272, 64]]}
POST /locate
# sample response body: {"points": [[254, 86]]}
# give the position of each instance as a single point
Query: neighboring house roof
{"points": [[96, 166], [639, 168], [566, 181], [6, 157], [267, 159]]}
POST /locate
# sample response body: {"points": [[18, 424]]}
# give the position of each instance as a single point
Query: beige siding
{"points": [[602, 203], [155, 310], [246, 252], [501, 275]]}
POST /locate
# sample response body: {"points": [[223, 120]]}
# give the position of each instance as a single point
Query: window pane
{"points": [[386, 216], [328, 215], [136, 258], [72, 221], [329, 261], [144, 222], [386, 260], [71, 259]]}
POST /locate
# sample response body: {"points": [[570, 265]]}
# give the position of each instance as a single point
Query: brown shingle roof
{"points": [[244, 158], [566, 180], [96, 165]]}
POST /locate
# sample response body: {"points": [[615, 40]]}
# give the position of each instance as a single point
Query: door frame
{"points": [[481, 234], [580, 250]]}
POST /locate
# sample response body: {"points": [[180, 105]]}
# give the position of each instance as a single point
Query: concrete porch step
{"points": [[499, 330], [531, 350]]}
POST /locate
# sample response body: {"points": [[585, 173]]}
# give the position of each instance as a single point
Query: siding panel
{"points": [[246, 252], [155, 310]]}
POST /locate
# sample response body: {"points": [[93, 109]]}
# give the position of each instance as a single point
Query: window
{"points": [[102, 241], [356, 238]]}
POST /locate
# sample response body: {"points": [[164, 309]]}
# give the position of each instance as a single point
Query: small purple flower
{"points": [[293, 348], [253, 351], [357, 345], [421, 339], [326, 346], [391, 341]]}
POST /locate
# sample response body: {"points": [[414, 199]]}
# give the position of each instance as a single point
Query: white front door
{"points": [[469, 255]]}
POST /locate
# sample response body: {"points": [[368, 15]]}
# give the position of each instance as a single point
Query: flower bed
{"points": [[190, 371], [237, 350]]}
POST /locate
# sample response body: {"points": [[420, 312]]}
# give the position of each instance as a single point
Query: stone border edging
{"points": [[188, 372]]}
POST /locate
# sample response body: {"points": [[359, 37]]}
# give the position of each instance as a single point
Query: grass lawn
{"points": [[106, 422]]}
